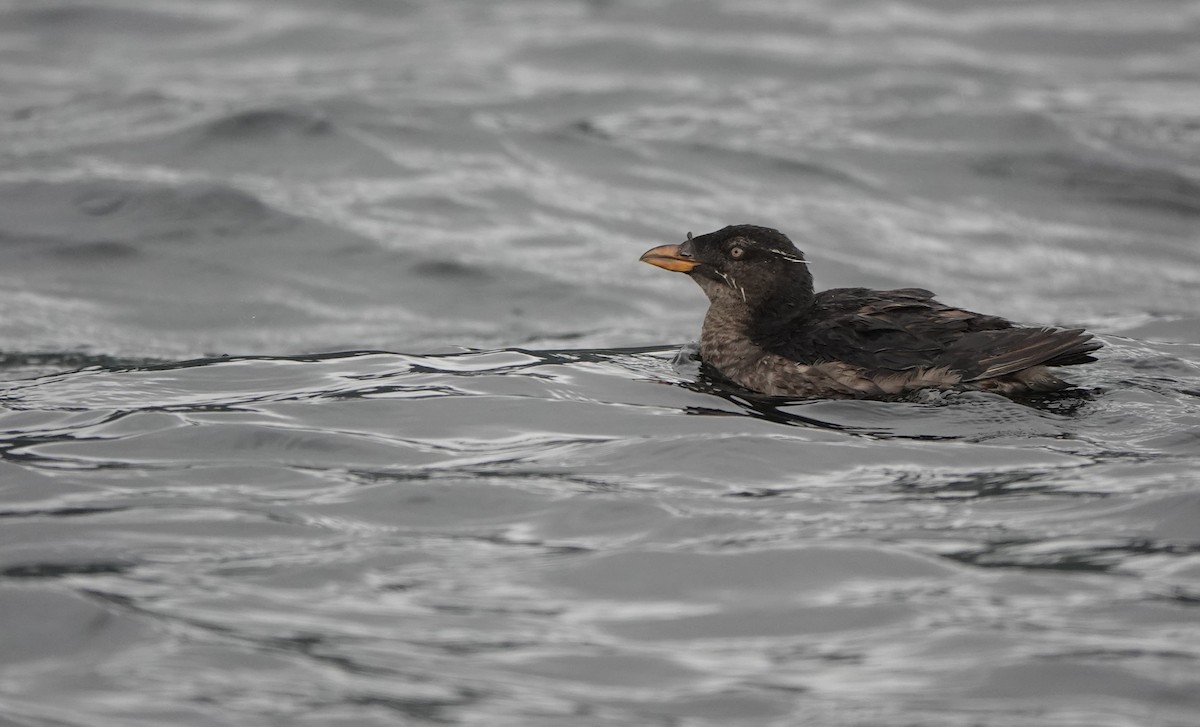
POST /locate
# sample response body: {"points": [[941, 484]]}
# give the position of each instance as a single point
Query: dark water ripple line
{"points": [[297, 444], [328, 381], [124, 426], [1111, 557], [336, 645]]}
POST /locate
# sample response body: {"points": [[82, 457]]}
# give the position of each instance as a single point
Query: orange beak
{"points": [[668, 257]]}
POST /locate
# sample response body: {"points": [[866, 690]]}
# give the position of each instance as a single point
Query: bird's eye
{"points": [[737, 253]]}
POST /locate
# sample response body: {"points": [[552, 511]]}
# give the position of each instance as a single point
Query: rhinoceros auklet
{"points": [[766, 329]]}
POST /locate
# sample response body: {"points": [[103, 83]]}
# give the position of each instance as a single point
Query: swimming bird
{"points": [[768, 331]]}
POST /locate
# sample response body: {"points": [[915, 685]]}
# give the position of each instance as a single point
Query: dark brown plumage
{"points": [[768, 331]]}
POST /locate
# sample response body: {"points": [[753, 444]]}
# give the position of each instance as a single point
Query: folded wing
{"points": [[907, 330]]}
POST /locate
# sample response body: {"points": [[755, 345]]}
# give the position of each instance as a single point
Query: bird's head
{"points": [[755, 267]]}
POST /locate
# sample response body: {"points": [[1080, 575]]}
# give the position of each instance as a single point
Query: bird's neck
{"points": [[725, 339], [738, 333]]}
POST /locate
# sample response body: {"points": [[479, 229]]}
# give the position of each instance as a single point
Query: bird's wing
{"points": [[891, 331], [887, 330]]}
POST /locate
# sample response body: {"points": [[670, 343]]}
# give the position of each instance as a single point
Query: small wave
{"points": [[1152, 188]]}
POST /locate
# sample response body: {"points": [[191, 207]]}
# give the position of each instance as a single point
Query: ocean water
{"points": [[332, 391]]}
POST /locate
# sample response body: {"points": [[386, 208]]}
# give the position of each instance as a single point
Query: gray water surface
{"points": [[332, 391]]}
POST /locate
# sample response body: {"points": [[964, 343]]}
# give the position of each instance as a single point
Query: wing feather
{"points": [[989, 354]]}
